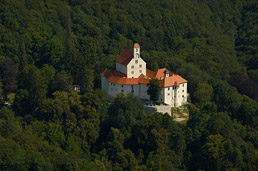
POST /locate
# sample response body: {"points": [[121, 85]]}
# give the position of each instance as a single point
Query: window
{"points": [[136, 49], [168, 88], [132, 67], [183, 85], [168, 94], [140, 65], [140, 71], [122, 85], [136, 61], [183, 91], [132, 72], [183, 96], [122, 91]]}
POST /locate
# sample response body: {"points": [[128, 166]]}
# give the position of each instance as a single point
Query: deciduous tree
{"points": [[154, 89]]}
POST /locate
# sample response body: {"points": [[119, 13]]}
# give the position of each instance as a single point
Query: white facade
{"points": [[136, 67], [174, 95]]}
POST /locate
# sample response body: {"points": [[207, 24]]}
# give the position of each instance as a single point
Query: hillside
{"points": [[47, 47]]}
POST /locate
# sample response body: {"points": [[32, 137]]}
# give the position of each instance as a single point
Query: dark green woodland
{"points": [[48, 46]]}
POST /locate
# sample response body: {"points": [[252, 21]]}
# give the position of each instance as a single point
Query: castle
{"points": [[132, 76]]}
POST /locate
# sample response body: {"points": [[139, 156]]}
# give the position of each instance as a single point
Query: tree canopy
{"points": [[48, 47], [154, 89]]}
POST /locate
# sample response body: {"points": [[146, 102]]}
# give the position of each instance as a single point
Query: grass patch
{"points": [[180, 113]]}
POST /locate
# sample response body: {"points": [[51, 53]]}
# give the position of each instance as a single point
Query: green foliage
{"points": [[11, 155], [55, 128], [9, 76], [154, 89], [226, 97], [62, 82], [203, 93]]}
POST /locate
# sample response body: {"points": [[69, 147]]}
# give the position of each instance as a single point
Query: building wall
{"points": [[173, 95], [136, 52], [104, 83], [114, 89], [181, 94], [143, 92], [136, 67], [167, 95], [121, 68]]}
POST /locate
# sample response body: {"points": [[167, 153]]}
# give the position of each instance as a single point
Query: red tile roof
{"points": [[136, 45], [174, 80], [160, 73], [125, 57], [150, 73], [120, 78]]}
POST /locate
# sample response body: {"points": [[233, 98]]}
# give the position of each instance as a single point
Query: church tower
{"points": [[136, 50]]}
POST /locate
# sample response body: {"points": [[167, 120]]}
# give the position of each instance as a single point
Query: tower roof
{"points": [[166, 72], [136, 45]]}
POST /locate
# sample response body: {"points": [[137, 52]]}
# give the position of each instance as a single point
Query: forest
{"points": [[47, 47]]}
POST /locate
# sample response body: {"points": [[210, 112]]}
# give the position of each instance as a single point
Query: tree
{"points": [[48, 72], [214, 152], [11, 155], [34, 85], [203, 93], [9, 76], [21, 102], [154, 89], [85, 80], [63, 82]]}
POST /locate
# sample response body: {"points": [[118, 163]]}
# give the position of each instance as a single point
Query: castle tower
{"points": [[136, 50]]}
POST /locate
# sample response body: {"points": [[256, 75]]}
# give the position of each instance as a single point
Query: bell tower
{"points": [[136, 50]]}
